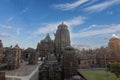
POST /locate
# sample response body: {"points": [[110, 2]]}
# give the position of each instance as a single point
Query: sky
{"points": [[91, 22]]}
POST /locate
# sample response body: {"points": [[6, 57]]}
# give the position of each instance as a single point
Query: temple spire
{"points": [[47, 38]]}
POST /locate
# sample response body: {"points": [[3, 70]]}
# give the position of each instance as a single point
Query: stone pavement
{"points": [[25, 72]]}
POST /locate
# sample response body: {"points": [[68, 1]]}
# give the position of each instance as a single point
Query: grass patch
{"points": [[97, 75]]}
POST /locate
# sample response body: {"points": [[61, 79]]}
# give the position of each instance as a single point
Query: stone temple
{"points": [[57, 46], [60, 60]]}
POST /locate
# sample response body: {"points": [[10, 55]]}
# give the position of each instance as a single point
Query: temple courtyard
{"points": [[25, 72]]}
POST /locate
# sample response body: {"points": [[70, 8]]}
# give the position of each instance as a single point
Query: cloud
{"points": [[69, 6], [102, 6], [24, 10], [109, 12], [51, 27], [7, 27], [90, 2], [90, 27], [18, 31], [75, 21], [114, 35], [5, 35], [10, 19], [98, 30], [80, 46], [47, 28]]}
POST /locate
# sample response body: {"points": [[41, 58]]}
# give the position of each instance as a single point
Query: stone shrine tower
{"points": [[114, 45], [45, 46], [62, 38]]}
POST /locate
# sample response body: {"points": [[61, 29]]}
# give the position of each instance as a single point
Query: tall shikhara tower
{"points": [[62, 38]]}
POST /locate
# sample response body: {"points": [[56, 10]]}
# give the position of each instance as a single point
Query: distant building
{"points": [[95, 57]]}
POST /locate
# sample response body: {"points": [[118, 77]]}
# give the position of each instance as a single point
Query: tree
{"points": [[114, 67]]}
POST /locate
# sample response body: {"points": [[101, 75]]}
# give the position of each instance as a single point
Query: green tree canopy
{"points": [[114, 67]]}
